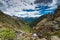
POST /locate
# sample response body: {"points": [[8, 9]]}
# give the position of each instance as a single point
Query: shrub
{"points": [[7, 34]]}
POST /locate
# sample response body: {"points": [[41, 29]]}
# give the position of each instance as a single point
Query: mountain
{"points": [[49, 25], [44, 26], [27, 19], [13, 22], [9, 21], [24, 24]]}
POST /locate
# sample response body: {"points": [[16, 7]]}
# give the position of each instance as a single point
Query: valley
{"points": [[46, 27]]}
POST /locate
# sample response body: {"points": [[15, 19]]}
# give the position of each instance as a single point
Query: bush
{"points": [[7, 34]]}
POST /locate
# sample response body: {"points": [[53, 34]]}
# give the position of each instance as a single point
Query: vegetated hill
{"points": [[12, 22], [32, 21], [36, 20], [48, 26]]}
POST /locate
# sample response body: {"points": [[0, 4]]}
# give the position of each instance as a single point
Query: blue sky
{"points": [[28, 8]]}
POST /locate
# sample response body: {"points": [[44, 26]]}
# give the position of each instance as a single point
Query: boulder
{"points": [[43, 39], [55, 38]]}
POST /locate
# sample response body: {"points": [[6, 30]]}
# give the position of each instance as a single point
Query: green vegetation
{"points": [[7, 34], [13, 22], [57, 33], [45, 26], [48, 35], [26, 28]]}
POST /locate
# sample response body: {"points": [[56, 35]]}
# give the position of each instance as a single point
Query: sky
{"points": [[28, 8]]}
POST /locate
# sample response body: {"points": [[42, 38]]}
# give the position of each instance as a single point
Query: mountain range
{"points": [[42, 25]]}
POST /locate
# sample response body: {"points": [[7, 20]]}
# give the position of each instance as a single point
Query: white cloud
{"points": [[23, 13], [12, 6], [54, 2], [52, 5], [15, 7]]}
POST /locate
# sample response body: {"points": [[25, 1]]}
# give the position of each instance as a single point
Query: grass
{"points": [[7, 33], [57, 33], [26, 28], [6, 20]]}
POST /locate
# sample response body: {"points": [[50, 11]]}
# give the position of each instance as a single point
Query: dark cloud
{"points": [[1, 4], [58, 2], [43, 1]]}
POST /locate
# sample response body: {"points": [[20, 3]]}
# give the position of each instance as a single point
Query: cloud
{"points": [[52, 7], [13, 7], [54, 2], [43, 1], [27, 8], [24, 14]]}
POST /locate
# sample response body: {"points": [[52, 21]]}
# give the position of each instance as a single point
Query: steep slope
{"points": [[12, 22], [49, 25]]}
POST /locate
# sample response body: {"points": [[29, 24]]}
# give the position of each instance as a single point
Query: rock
{"points": [[55, 22], [43, 39], [35, 35], [55, 38], [28, 38], [24, 34], [31, 38], [43, 29], [38, 39], [18, 32], [58, 19], [56, 26]]}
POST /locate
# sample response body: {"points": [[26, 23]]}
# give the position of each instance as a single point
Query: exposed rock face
{"points": [[42, 30], [50, 26]]}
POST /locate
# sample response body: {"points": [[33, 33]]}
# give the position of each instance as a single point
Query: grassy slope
{"points": [[8, 21]]}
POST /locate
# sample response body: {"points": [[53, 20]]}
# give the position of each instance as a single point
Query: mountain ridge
{"points": [[13, 22], [49, 26]]}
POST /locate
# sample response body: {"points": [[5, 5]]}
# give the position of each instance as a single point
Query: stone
{"points": [[58, 19], [34, 35], [31, 38], [18, 32], [38, 39], [56, 26], [55, 38], [43, 39], [24, 34], [55, 22]]}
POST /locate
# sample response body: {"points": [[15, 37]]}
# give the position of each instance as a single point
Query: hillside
{"points": [[49, 25], [45, 26], [12, 22]]}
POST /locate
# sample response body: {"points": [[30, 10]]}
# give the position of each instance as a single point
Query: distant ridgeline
{"points": [[33, 21], [25, 23]]}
